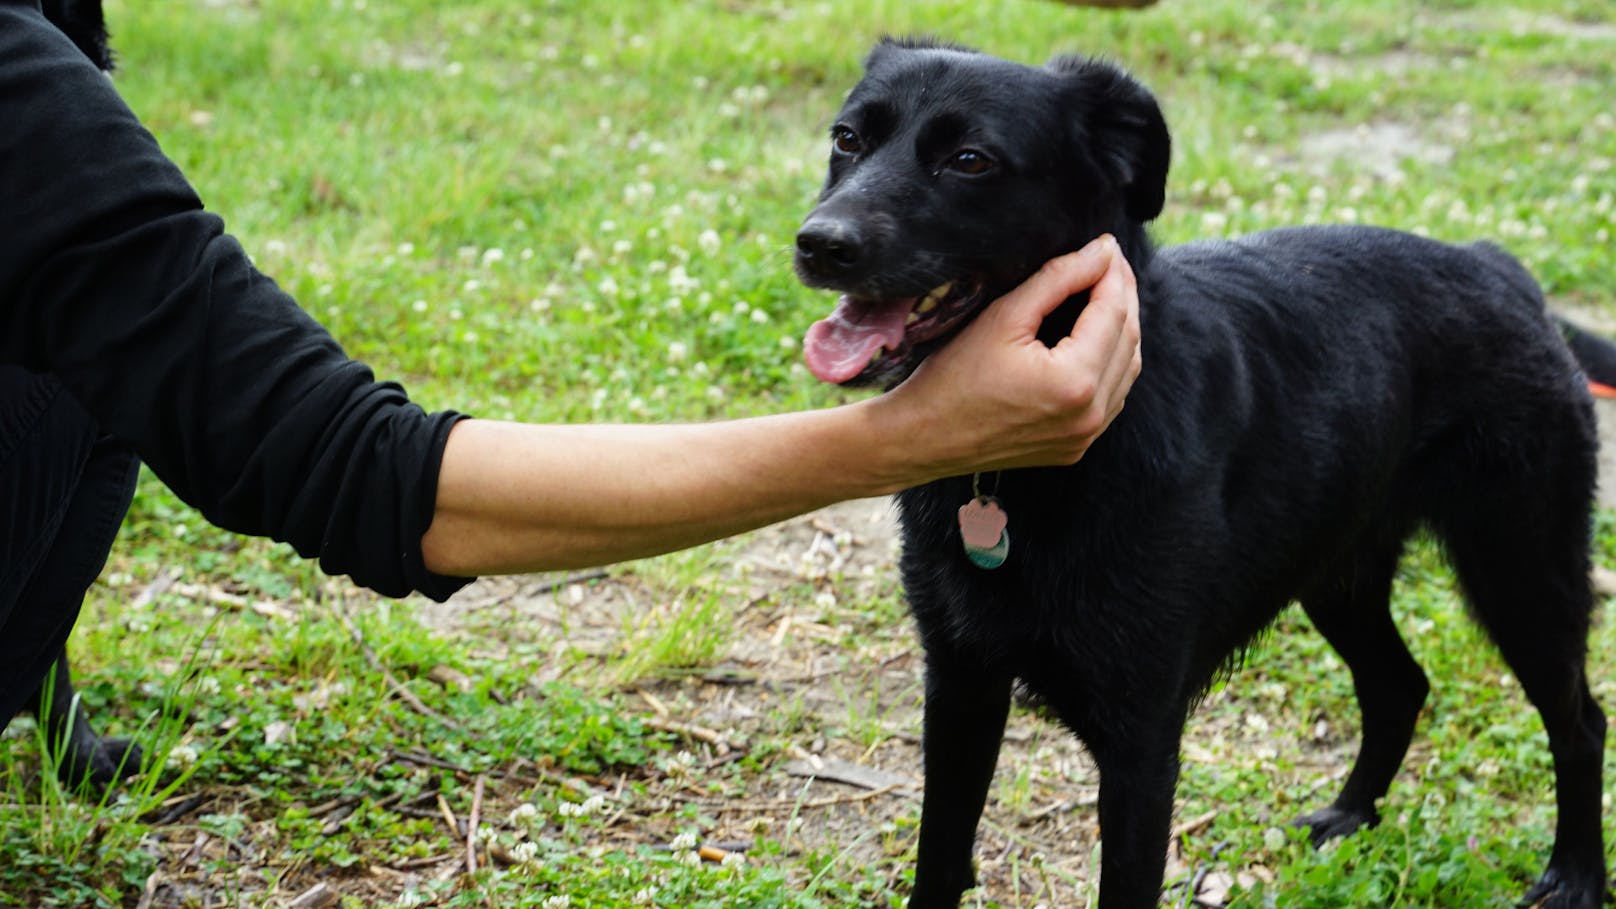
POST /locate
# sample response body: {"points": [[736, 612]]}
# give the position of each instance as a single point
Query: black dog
{"points": [[85, 755], [1310, 397]]}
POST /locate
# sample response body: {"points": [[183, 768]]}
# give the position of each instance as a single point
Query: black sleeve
{"points": [[113, 278]]}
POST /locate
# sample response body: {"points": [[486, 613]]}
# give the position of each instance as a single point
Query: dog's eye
{"points": [[846, 141], [970, 161]]}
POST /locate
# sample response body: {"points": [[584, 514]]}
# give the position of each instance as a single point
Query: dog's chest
{"points": [[1036, 594]]}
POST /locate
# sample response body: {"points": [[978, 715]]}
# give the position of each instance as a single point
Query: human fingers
{"points": [[1113, 307], [1102, 353], [1058, 279]]}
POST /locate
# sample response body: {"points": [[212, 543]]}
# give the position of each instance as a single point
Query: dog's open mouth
{"points": [[861, 333]]}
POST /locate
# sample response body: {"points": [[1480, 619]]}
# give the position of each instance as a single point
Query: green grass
{"points": [[584, 211]]}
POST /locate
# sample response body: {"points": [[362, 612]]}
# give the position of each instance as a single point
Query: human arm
{"points": [[519, 497], [114, 279]]}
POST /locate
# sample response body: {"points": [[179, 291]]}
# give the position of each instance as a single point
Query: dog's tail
{"points": [[1596, 355]]}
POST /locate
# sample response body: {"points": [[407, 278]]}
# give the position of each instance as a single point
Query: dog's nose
{"points": [[829, 244]]}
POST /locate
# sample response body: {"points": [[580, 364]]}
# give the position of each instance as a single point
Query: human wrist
{"points": [[904, 445]]}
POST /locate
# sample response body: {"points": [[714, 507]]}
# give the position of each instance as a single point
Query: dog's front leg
{"points": [[1136, 810], [966, 707]]}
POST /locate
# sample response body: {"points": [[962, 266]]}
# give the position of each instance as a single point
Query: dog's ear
{"points": [[1122, 126], [889, 47]]}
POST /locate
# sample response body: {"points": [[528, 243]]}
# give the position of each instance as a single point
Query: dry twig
{"points": [[471, 825]]}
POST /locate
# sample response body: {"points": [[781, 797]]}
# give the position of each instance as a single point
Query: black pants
{"points": [[64, 489]]}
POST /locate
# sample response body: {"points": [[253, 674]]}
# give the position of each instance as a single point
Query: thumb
{"points": [[1059, 278]]}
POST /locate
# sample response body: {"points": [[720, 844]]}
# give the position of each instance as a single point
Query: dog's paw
{"points": [[1329, 823], [1561, 891]]}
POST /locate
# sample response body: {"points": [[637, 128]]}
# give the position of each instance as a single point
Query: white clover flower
{"points": [[607, 287], [718, 165], [825, 599], [645, 896], [556, 902], [525, 813], [709, 242], [677, 351], [734, 860], [539, 304], [595, 804], [525, 853], [410, 899], [182, 755], [760, 317], [419, 306], [684, 842], [679, 281], [788, 342], [493, 255], [622, 247], [454, 68], [472, 286]]}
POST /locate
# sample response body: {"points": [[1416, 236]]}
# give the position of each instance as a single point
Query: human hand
{"points": [[997, 397]]}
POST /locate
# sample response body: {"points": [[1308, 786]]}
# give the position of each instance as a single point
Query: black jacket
{"points": [[114, 279]]}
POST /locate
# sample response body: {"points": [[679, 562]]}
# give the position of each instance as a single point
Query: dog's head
{"points": [[953, 177]]}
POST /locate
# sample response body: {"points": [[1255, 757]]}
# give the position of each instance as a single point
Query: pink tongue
{"points": [[839, 346]]}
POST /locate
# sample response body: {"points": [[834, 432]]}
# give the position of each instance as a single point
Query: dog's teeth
{"points": [[912, 318], [936, 296]]}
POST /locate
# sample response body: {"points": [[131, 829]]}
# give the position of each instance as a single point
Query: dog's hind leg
{"points": [[965, 711], [1353, 612], [1527, 581]]}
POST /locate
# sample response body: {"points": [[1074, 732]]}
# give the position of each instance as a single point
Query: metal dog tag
{"points": [[983, 528]]}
